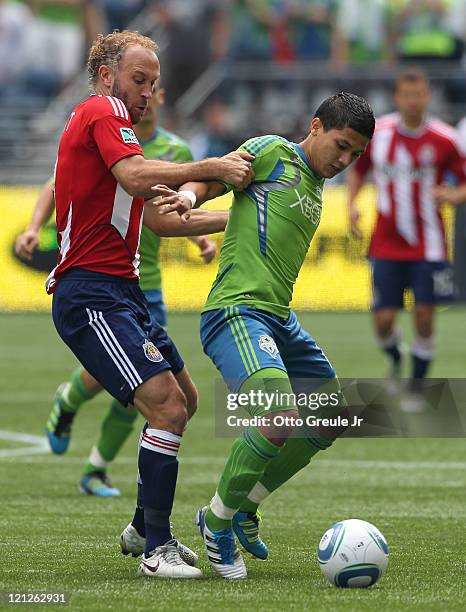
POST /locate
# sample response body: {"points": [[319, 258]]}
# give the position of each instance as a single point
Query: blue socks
{"points": [[158, 469]]}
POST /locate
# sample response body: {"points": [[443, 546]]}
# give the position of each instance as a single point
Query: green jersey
{"points": [[270, 228], [163, 145]]}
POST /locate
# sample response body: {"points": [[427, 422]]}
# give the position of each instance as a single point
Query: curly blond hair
{"points": [[108, 49]]}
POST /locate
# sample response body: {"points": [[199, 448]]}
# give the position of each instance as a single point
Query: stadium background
{"points": [[248, 77], [335, 275]]}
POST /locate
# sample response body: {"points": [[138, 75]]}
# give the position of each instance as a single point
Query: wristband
{"points": [[190, 195]]}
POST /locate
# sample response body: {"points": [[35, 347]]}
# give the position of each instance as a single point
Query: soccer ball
{"points": [[353, 553]]}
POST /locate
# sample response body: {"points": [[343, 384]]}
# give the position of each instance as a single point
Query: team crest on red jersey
{"points": [[151, 351], [128, 135]]}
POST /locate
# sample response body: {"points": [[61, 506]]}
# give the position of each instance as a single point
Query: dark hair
{"points": [[346, 110], [411, 74]]}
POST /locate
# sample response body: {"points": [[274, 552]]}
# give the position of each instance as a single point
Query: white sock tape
{"points": [[258, 493]]}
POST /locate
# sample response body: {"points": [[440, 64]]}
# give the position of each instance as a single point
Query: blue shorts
{"points": [[156, 305], [241, 340], [430, 281], [106, 323]]}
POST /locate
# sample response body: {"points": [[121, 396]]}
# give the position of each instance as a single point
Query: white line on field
{"points": [[397, 465], [215, 461], [37, 444]]}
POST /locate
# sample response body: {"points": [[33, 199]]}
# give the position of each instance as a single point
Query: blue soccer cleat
{"points": [[58, 427], [221, 549], [246, 528], [98, 484]]}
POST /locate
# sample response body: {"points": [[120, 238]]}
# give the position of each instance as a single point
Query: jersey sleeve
{"points": [[364, 163], [457, 162], [461, 129], [115, 139], [263, 148]]}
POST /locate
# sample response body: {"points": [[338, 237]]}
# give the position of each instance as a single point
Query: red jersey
{"points": [[407, 165], [98, 223]]}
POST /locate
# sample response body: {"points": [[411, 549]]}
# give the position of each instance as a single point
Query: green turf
{"points": [[53, 539]]}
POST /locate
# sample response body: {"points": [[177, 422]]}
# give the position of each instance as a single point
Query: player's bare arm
{"points": [[27, 242], [452, 195], [207, 247], [137, 175], [201, 222], [189, 195], [354, 184]]}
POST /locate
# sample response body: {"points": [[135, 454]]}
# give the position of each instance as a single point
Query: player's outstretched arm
{"points": [[27, 242], [137, 175], [354, 184], [207, 247], [453, 195], [200, 222], [189, 196]]}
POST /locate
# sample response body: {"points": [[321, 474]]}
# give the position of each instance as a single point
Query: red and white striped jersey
{"points": [[98, 223], [407, 165]]}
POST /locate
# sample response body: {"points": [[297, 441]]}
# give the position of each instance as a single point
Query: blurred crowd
{"points": [[44, 43]]}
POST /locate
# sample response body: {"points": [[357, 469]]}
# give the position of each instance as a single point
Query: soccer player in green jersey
{"points": [[118, 423], [247, 327]]}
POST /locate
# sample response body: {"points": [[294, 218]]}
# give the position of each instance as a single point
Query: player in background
{"points": [[118, 423], [247, 327], [99, 310], [411, 155], [461, 128]]}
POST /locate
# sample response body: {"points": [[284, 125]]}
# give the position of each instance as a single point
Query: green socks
{"points": [[295, 454], [116, 427], [249, 456], [75, 393]]}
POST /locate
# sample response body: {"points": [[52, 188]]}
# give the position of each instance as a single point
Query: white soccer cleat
{"points": [[133, 543], [188, 555], [413, 403], [166, 562], [222, 552]]}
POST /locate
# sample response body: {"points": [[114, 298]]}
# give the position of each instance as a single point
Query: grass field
{"points": [[55, 540]]}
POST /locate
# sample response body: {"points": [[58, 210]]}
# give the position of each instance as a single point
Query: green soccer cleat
{"points": [[58, 428], [246, 528]]}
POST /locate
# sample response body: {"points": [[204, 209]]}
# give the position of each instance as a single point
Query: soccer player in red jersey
{"points": [[101, 181], [411, 156]]}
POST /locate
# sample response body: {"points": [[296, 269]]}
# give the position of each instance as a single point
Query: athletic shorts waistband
{"points": [[81, 274]]}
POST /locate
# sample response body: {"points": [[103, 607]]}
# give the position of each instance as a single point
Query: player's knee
{"points": [[280, 425], [174, 409], [166, 409], [384, 328], [424, 327], [384, 322]]}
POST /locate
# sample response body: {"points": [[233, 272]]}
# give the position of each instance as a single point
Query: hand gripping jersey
{"points": [[98, 223], [163, 145], [407, 166], [270, 228]]}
